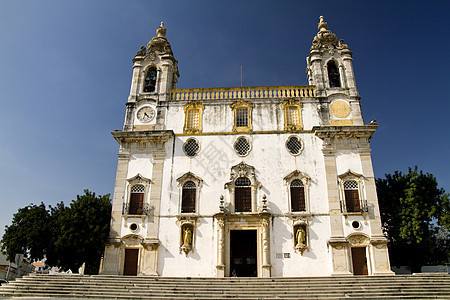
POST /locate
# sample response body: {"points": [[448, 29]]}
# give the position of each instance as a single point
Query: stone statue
{"points": [[300, 237], [141, 52], [187, 237]]}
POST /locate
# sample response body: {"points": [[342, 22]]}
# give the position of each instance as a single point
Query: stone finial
{"points": [[322, 25], [324, 39], [161, 31]]}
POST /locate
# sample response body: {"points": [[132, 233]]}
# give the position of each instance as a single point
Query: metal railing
{"points": [[139, 212], [262, 92]]}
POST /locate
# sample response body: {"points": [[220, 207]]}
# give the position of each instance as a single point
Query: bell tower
{"points": [[329, 64], [155, 72]]}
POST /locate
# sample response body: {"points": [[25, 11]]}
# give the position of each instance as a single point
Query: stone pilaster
{"points": [[220, 247], [155, 193], [266, 267]]}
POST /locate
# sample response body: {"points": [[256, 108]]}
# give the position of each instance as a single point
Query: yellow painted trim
{"points": [[247, 105], [341, 122], [237, 133], [285, 106], [191, 106]]}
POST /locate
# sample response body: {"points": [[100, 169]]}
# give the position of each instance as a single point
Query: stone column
{"points": [[221, 248], [380, 255], [266, 267], [155, 193], [337, 240], [135, 81], [111, 259]]}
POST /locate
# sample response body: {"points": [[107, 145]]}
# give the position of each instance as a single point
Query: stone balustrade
{"points": [[262, 92]]}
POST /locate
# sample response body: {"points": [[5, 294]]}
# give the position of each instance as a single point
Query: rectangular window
{"points": [[243, 199], [352, 200], [136, 203], [292, 116], [193, 121], [241, 117], [188, 200], [298, 198]]}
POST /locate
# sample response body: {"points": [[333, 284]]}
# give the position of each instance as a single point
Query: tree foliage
{"points": [[415, 218], [65, 236]]}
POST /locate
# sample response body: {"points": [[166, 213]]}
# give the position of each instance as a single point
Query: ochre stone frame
{"points": [[352, 176], [193, 105], [305, 180], [189, 176], [243, 170], [291, 103], [242, 104]]}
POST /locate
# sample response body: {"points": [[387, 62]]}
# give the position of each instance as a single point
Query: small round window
{"points": [[356, 224], [242, 146], [294, 145], [191, 147], [133, 227]]}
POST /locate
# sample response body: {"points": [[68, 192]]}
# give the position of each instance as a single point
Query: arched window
{"points": [[150, 80], [188, 197], [333, 74], [243, 195], [351, 192], [298, 202], [136, 200]]}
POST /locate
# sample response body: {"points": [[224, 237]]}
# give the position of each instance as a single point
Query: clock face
{"points": [[146, 114]]}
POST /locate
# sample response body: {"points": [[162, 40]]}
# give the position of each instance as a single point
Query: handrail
{"points": [[262, 92]]}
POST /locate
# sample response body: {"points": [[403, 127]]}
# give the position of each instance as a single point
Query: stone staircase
{"points": [[421, 286]]}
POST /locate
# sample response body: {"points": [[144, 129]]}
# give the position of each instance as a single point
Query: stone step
{"points": [[126, 287]]}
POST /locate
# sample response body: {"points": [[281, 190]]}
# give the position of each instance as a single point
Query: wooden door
{"points": [[131, 262], [359, 260], [136, 203]]}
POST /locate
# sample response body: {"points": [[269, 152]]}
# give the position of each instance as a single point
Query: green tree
{"points": [[28, 234], [415, 218], [66, 236], [80, 232]]}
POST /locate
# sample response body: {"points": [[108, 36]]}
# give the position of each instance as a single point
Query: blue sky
{"points": [[65, 73]]}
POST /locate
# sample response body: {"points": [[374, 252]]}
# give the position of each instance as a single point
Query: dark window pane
{"points": [[136, 203]]}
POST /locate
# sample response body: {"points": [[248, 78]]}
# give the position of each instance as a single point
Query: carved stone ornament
{"points": [[324, 39], [132, 240], [139, 179], [141, 52], [159, 44], [358, 240]]}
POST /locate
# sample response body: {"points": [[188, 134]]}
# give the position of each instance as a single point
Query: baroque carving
{"points": [[358, 240], [324, 39], [141, 52], [159, 44]]}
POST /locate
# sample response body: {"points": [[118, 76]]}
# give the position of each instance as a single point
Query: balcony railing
{"points": [[263, 92], [128, 210], [363, 207]]}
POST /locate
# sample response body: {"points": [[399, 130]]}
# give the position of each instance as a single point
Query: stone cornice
{"points": [[150, 136], [333, 132]]}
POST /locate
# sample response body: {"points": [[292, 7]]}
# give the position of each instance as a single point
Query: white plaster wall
{"points": [[348, 160], [267, 115], [140, 164], [200, 262], [314, 261]]}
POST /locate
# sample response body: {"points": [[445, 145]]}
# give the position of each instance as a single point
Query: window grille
{"points": [[294, 145], [351, 193], [188, 197], [193, 121], [137, 189], [298, 202], [242, 146], [191, 147], [292, 116], [243, 195], [242, 117]]}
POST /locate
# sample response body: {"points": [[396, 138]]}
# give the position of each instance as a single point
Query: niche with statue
{"points": [[300, 237], [187, 237]]}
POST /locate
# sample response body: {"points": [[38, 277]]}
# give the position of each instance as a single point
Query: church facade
{"points": [[273, 181]]}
